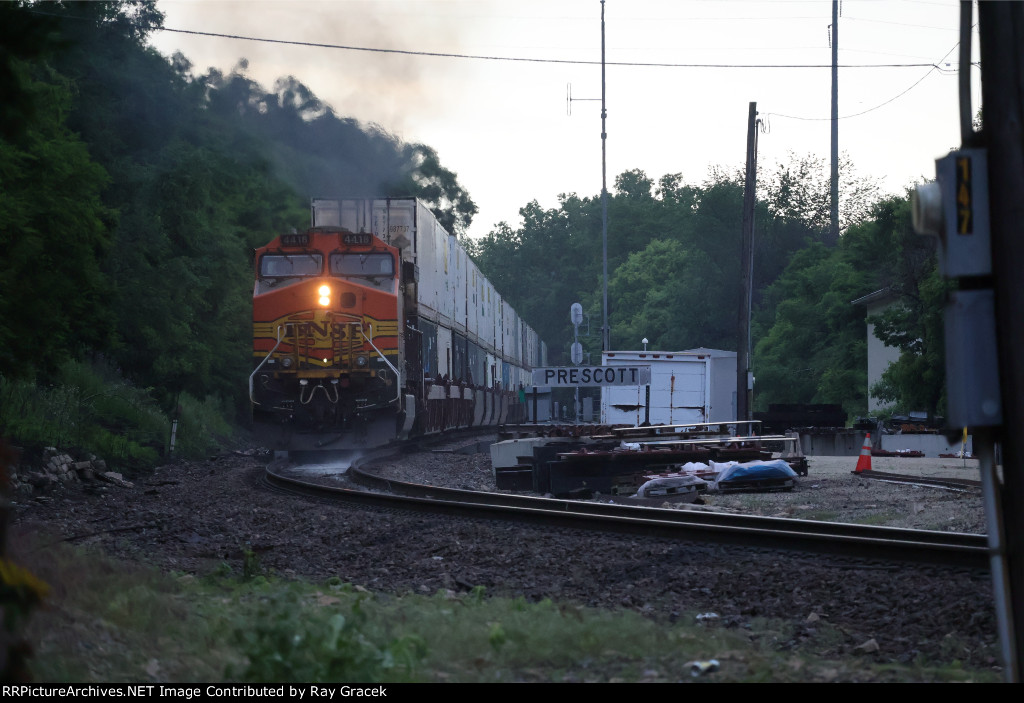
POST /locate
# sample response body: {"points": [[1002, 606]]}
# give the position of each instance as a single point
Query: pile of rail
{"points": [[619, 462]]}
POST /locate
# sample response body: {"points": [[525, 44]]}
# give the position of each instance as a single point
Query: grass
{"points": [[88, 408], [112, 621]]}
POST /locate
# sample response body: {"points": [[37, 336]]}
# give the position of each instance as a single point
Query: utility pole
{"points": [[605, 330], [746, 271], [1001, 28], [834, 189], [606, 333]]}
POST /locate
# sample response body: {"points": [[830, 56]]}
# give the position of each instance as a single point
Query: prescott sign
{"points": [[561, 376]]}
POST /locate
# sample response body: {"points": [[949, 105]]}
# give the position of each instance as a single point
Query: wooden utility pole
{"points": [[746, 271], [1001, 29]]}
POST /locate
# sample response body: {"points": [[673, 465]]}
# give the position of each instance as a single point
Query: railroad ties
{"points": [[669, 462]]}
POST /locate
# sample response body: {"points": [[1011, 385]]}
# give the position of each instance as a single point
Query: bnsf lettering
{"points": [[311, 328], [339, 330]]}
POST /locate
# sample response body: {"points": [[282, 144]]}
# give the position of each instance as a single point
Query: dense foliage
{"points": [[674, 279], [132, 191]]}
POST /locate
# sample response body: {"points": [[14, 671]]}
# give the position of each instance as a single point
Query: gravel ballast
{"points": [[195, 516]]}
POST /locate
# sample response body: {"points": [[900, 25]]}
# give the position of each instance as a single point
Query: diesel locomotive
{"points": [[374, 325]]}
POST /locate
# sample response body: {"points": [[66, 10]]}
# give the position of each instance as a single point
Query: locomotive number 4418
{"points": [[362, 238]]}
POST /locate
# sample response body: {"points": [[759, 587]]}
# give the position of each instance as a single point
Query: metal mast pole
{"points": [[834, 191], [605, 331]]}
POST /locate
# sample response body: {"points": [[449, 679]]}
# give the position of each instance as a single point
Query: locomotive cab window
{"points": [[374, 268], [287, 265]]}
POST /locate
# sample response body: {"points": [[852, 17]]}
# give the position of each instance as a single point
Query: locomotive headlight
{"points": [[360, 361], [286, 362], [325, 295]]}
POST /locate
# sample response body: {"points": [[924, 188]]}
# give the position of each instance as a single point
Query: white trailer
{"points": [[693, 386], [452, 296]]}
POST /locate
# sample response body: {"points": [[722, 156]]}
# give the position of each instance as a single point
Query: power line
{"points": [[900, 24], [857, 114], [937, 66], [482, 57]]}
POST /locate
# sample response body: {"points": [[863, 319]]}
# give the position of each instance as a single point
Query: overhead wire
{"points": [[937, 66], [932, 66], [484, 57], [580, 62]]}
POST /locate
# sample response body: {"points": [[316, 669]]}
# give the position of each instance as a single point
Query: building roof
{"points": [[880, 294]]}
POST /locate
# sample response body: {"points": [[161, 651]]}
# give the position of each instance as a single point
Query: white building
{"points": [[879, 355]]}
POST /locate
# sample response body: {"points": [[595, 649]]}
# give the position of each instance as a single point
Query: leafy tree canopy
{"points": [[133, 191]]}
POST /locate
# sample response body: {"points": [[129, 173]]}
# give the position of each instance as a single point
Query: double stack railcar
{"points": [[374, 324]]}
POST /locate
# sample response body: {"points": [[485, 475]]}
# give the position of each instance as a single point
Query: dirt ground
{"points": [[832, 491], [197, 517]]}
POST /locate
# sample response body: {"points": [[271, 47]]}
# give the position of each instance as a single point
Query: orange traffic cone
{"points": [[864, 460]]}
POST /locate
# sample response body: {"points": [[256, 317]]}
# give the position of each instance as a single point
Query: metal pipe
{"points": [[984, 445]]}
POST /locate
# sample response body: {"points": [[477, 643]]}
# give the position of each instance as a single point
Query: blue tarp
{"points": [[755, 470]]}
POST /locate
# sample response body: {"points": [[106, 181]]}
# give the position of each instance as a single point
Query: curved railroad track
{"points": [[951, 484], [838, 540]]}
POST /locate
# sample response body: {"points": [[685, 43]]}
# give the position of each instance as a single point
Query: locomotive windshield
{"points": [[283, 265], [378, 267]]}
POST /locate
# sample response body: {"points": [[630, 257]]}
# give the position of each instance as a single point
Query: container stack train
{"points": [[375, 325]]}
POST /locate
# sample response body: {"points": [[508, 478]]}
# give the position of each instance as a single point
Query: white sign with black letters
{"points": [[569, 376]]}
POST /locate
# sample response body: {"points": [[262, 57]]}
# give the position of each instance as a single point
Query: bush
{"points": [[92, 408], [286, 643], [201, 426]]}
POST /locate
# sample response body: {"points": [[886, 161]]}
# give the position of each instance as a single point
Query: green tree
{"points": [[811, 339], [914, 324], [25, 38], [673, 297], [916, 381], [815, 350], [425, 178], [56, 230], [194, 194], [800, 190]]}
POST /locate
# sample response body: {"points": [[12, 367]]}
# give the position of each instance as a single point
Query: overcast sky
{"points": [[502, 123]]}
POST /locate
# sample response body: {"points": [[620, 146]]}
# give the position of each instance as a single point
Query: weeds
{"points": [[284, 641], [223, 629], [91, 408], [250, 563]]}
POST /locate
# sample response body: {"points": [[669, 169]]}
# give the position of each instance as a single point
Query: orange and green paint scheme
{"points": [[324, 334]]}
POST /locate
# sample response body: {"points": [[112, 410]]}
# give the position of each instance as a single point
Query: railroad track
{"points": [[837, 540], [952, 484]]}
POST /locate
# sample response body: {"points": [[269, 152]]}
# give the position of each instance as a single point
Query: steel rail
{"points": [[955, 484], [834, 539]]}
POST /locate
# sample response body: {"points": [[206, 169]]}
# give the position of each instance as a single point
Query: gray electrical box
{"points": [[964, 246], [955, 209], [972, 368]]}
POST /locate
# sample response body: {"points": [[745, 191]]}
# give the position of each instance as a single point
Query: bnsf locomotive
{"points": [[374, 324]]}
